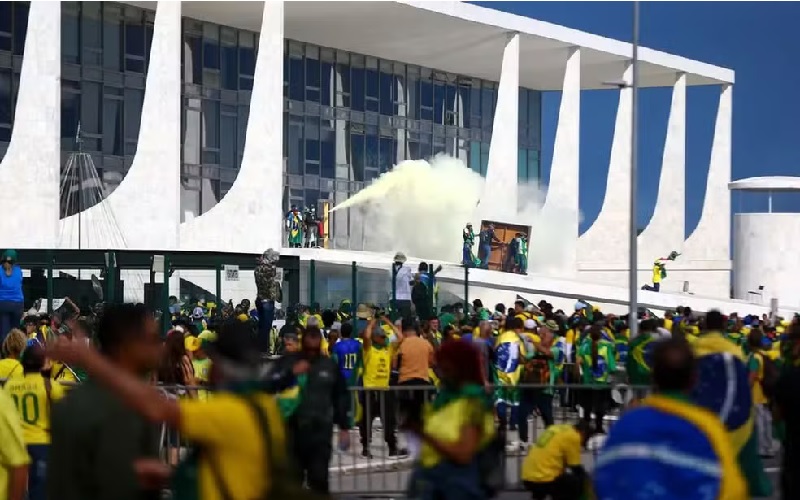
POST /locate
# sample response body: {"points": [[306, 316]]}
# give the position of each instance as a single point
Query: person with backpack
{"points": [[240, 441], [763, 377], [33, 395]]}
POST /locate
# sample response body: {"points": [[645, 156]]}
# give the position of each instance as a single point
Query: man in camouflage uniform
{"points": [[268, 292]]}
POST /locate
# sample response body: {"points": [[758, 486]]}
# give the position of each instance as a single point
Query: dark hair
{"points": [[409, 323], [514, 323], [119, 324], [33, 357], [328, 318], [595, 334], [520, 303], [170, 371], [754, 339], [346, 331], [465, 360], [674, 365], [648, 325], [500, 308], [715, 320]]}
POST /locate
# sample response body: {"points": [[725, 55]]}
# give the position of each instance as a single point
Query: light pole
{"points": [[633, 255]]}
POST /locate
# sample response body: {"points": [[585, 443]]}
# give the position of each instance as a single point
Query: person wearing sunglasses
{"points": [[11, 299]]}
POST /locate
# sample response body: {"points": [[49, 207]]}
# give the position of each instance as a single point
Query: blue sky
{"points": [[758, 40]]}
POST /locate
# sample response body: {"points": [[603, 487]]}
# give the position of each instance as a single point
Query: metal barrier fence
{"points": [[377, 416]]}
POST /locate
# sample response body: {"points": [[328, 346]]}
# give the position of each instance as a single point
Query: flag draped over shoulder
{"points": [[668, 448], [724, 388]]}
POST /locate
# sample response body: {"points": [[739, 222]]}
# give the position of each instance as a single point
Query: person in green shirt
{"points": [[597, 362]]}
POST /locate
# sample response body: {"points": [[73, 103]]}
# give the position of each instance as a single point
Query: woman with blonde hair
{"points": [[13, 345]]}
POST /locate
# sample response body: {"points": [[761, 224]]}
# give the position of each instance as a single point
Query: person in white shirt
{"points": [[403, 279]]}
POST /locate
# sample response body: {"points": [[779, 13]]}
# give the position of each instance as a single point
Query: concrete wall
{"points": [[765, 254]]}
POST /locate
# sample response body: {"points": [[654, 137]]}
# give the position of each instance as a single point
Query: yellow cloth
{"points": [[557, 448], [446, 423], [377, 366], [10, 368], [668, 324], [62, 373], [227, 429], [30, 398], [12, 446], [758, 392], [202, 368], [733, 485]]}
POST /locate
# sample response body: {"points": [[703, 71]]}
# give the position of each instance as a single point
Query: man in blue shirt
{"points": [[346, 352]]}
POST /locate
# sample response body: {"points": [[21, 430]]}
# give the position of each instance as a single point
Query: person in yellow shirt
{"points": [[13, 346], [553, 465], [376, 399], [14, 458], [33, 395], [240, 429]]}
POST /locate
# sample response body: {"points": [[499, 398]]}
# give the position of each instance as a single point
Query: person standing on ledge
{"points": [[11, 298], [294, 224], [467, 257]]}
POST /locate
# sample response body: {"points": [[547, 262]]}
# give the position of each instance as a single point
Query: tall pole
{"points": [[633, 263]]}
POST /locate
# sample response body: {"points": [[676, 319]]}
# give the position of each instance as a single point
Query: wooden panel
{"points": [[505, 233]]}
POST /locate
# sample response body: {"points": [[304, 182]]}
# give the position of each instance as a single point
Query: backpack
{"points": [[535, 370], [282, 478]]}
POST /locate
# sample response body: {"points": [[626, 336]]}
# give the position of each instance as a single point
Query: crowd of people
{"points": [[98, 404]]}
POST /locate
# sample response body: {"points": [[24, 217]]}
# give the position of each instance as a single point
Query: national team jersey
{"points": [[347, 354], [30, 397], [509, 352]]}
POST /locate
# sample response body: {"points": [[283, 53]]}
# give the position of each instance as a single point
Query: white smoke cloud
{"points": [[421, 207]]}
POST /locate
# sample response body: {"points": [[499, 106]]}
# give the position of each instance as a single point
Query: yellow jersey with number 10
{"points": [[30, 397]]}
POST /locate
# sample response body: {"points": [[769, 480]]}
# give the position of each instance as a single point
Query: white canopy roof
{"points": [[776, 183]]}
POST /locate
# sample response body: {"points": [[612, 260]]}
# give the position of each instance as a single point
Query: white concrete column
{"points": [[31, 167], [149, 195], [604, 242], [498, 201], [665, 232], [561, 206], [711, 239], [254, 201]]}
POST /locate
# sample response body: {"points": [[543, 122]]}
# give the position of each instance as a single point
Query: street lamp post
{"points": [[633, 254]]}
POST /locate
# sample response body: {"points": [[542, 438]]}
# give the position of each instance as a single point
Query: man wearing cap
{"points": [[226, 427]]}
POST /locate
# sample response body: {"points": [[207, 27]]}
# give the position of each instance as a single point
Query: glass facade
{"points": [[347, 117]]}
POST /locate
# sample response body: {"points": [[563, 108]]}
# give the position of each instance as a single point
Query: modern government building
{"points": [[206, 121]]}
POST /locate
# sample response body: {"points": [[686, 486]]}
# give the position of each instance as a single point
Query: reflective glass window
{"points": [[210, 46], [412, 96], [387, 106], [133, 113], [295, 145], [134, 37], [523, 107], [70, 34], [327, 152], [386, 154], [70, 111], [20, 26], [227, 146], [229, 60], [193, 58], [211, 123], [296, 79], [326, 84], [112, 126], [91, 32], [522, 164], [357, 156], [487, 108], [372, 146], [112, 37], [241, 131], [247, 60], [6, 104], [6, 16], [91, 98], [358, 90]]}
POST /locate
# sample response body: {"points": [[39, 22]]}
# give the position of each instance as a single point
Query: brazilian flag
{"points": [[724, 388]]}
